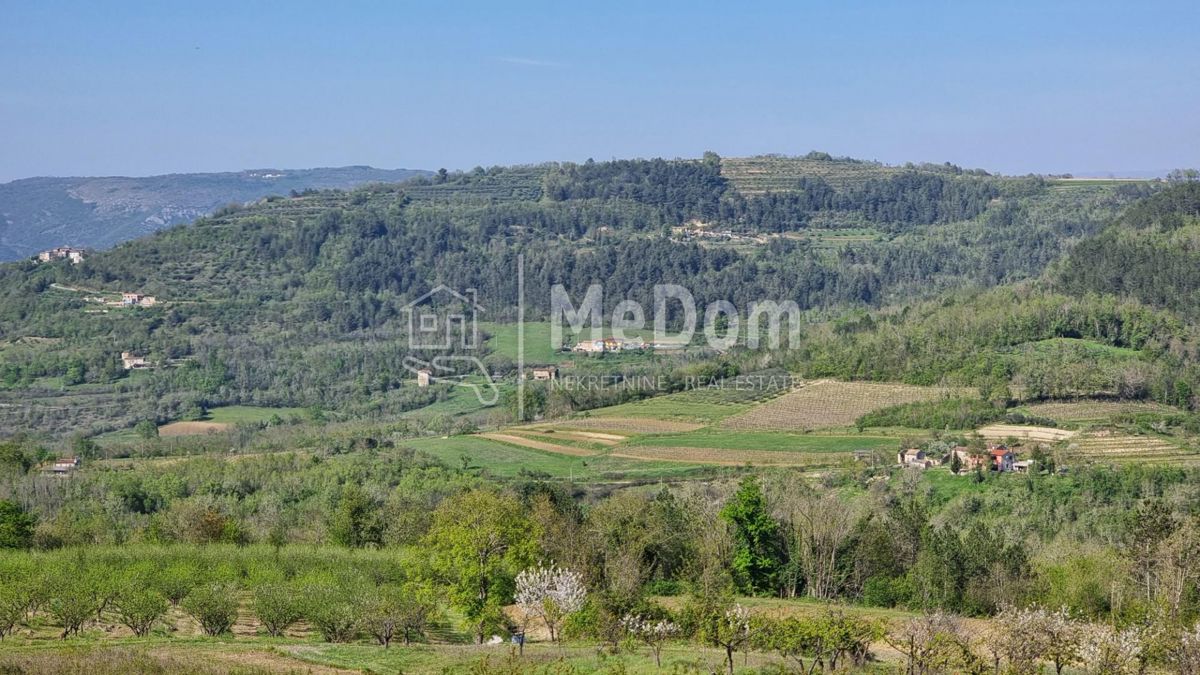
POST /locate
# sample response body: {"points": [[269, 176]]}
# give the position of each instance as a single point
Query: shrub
{"points": [[176, 581], [16, 526], [333, 606], [277, 607], [139, 607], [214, 606], [882, 591], [72, 602], [14, 602]]}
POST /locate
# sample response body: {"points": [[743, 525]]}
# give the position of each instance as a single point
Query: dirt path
{"points": [[589, 436], [539, 445]]}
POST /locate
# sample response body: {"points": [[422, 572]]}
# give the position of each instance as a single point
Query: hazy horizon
{"points": [[145, 89]]}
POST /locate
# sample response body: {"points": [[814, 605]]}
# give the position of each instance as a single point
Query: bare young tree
{"points": [[1177, 560], [818, 526], [550, 593]]}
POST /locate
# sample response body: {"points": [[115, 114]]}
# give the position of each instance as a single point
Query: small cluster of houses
{"points": [[75, 255], [702, 232], [138, 300], [536, 373], [996, 457], [608, 345]]}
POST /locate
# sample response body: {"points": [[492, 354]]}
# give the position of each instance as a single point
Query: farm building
{"points": [[1002, 458], [914, 457], [63, 466], [996, 458], [544, 373], [424, 377], [131, 362], [138, 300]]}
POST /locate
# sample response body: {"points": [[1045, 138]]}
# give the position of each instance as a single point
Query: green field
{"points": [[508, 461], [459, 401], [239, 414], [1090, 347], [539, 348], [764, 440]]}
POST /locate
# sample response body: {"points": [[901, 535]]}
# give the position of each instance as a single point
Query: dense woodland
{"points": [[299, 300]]}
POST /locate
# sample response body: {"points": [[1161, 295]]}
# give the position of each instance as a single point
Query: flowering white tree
{"points": [[652, 633], [1061, 635], [1025, 636], [934, 642], [550, 593], [1108, 651], [1016, 636], [729, 629]]}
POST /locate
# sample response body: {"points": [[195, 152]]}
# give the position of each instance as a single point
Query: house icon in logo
{"points": [[443, 318]]}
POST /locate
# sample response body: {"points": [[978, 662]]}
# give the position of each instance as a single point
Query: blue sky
{"points": [[142, 88]]}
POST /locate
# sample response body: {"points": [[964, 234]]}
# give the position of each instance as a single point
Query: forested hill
{"points": [[41, 213], [1152, 254], [298, 300], [355, 257]]}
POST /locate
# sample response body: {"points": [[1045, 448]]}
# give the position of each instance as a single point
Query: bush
{"points": [[333, 606], [72, 602], [214, 606], [14, 602], [139, 607], [176, 581], [881, 591], [16, 526], [277, 607]]}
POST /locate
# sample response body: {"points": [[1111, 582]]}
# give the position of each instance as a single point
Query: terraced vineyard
{"points": [[827, 403], [522, 183], [999, 432], [774, 173], [708, 403], [1095, 411], [91, 406], [1115, 447]]}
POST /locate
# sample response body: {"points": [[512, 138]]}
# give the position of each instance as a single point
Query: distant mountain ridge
{"points": [[98, 212]]}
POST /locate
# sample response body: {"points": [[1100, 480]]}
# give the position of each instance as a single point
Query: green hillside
{"points": [[299, 300], [42, 213]]}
